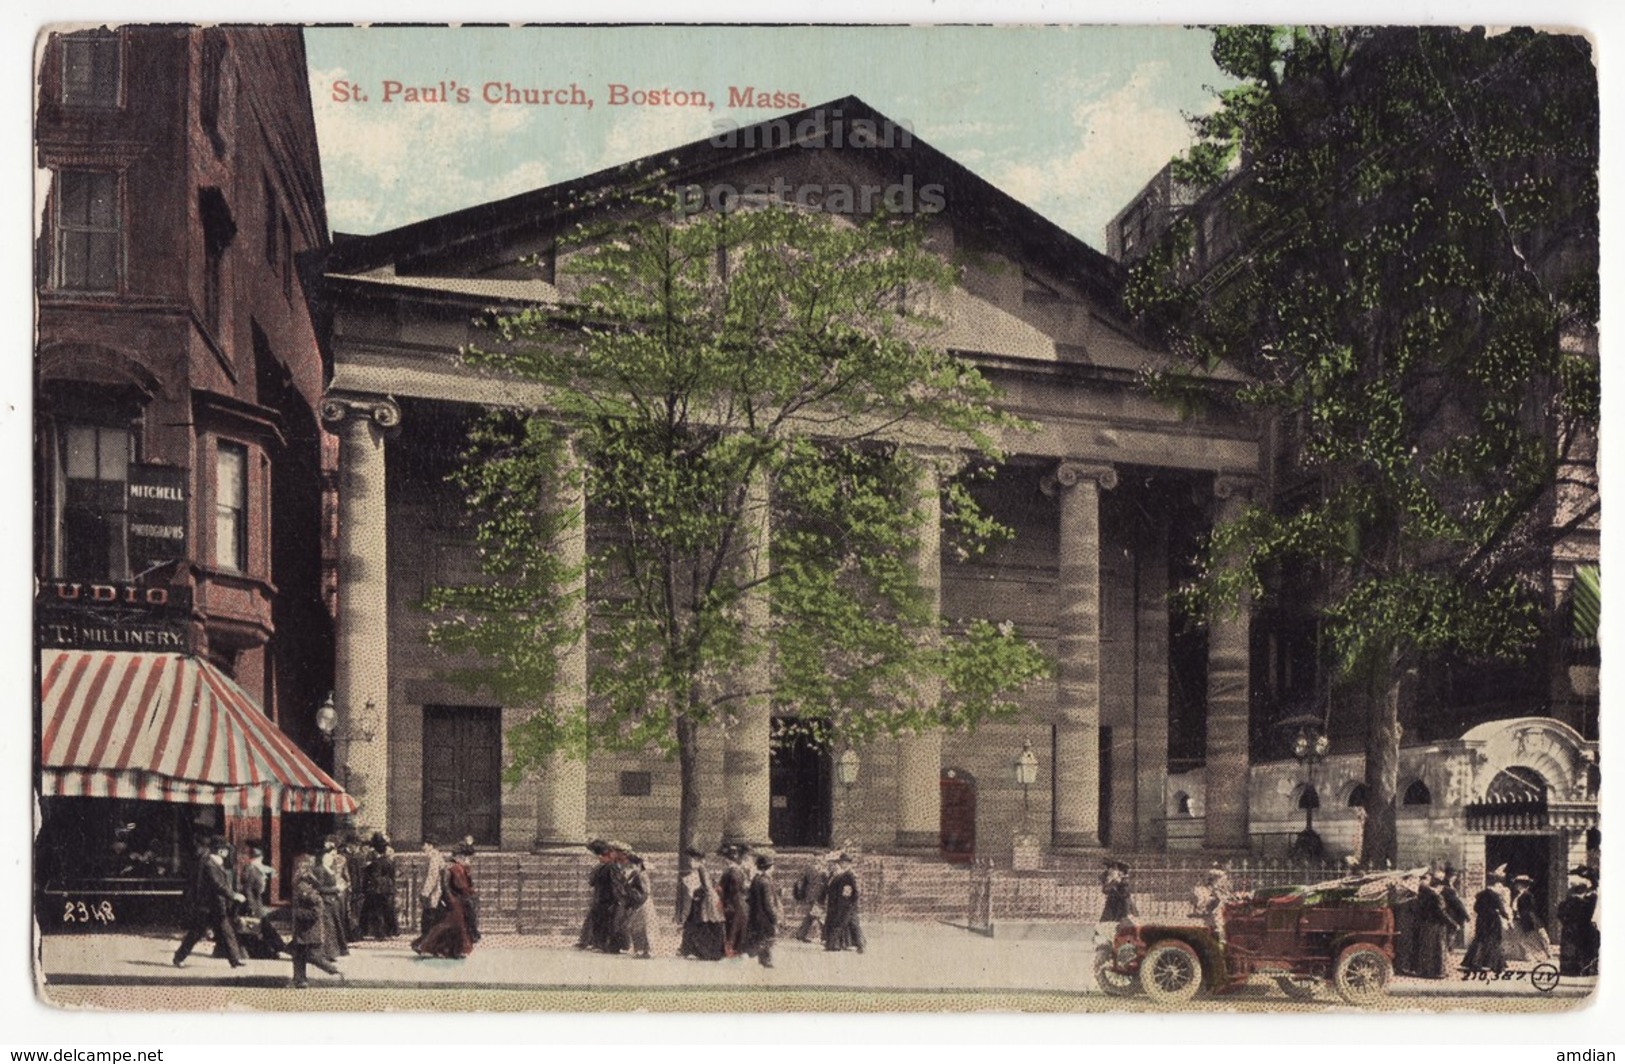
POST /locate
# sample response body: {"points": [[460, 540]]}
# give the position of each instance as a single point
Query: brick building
{"points": [[179, 458]]}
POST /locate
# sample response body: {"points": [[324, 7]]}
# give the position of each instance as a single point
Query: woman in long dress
{"points": [[451, 936], [1490, 917], [1433, 929], [1526, 938], [700, 913], [1581, 943]]}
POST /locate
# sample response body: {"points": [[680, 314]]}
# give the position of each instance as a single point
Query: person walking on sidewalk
{"points": [[378, 916], [451, 935], [632, 891], [213, 900], [1490, 918], [764, 912], [433, 890], [842, 930], [262, 942], [699, 912], [809, 895], [313, 926], [598, 929], [735, 893]]}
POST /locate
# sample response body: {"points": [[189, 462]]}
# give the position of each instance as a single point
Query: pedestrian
{"points": [[1487, 953], [379, 918], [260, 939], [808, 893], [1577, 954], [213, 898], [1434, 925], [764, 912], [734, 891], [1453, 905], [332, 870], [313, 942], [842, 928], [451, 936], [598, 927], [433, 889], [632, 904], [1116, 893], [1526, 938], [347, 865], [699, 912]]}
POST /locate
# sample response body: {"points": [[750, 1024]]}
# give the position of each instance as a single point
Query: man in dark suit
{"points": [[212, 900]]}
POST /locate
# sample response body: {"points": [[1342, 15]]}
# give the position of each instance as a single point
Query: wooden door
{"points": [[958, 816], [462, 774]]}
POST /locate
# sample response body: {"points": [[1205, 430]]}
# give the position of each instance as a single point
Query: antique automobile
{"points": [[1339, 932]]}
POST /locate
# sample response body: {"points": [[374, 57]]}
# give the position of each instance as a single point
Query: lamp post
{"points": [[1310, 748], [1025, 771], [846, 774]]}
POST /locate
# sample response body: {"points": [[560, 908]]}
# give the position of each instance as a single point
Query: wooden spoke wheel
{"points": [[1171, 972], [1362, 974]]}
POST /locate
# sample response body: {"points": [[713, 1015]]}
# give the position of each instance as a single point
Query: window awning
{"points": [[172, 728]]}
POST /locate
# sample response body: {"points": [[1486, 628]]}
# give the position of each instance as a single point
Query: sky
{"points": [[1071, 121]]}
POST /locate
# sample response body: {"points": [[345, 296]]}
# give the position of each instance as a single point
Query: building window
{"points": [[1418, 794], [637, 784], [90, 69], [219, 229], [231, 507], [93, 522], [1357, 796], [89, 238]]}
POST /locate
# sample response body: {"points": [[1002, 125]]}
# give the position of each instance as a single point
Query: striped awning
{"points": [[171, 728]]}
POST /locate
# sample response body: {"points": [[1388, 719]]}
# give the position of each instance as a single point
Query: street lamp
{"points": [[1310, 748], [846, 774], [327, 718], [1025, 770]]}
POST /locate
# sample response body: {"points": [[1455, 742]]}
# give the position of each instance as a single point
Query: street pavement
{"points": [[910, 966]]}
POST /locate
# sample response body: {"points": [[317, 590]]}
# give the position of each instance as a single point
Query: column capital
{"points": [[1069, 473], [1238, 486], [383, 411]]}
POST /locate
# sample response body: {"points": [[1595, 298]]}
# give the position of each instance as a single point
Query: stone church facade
{"points": [[1105, 495]]}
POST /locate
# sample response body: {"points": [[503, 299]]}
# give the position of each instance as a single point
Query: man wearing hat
{"points": [[1490, 918], [1116, 892], [1434, 925], [1577, 954], [764, 911], [212, 905], [842, 929]]}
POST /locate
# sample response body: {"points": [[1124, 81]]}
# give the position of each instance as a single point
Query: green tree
{"points": [[704, 369], [1397, 242]]}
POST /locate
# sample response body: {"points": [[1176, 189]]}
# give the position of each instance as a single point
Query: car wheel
{"points": [[1298, 987], [1171, 972], [1362, 974], [1110, 981]]}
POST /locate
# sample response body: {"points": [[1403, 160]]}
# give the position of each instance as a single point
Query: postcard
{"points": [[816, 518]]}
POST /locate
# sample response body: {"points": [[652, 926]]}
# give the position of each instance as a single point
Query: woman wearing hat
{"points": [[1526, 938], [598, 929], [1577, 955], [451, 936], [378, 916], [735, 895], [1434, 926], [699, 912], [1490, 917]]}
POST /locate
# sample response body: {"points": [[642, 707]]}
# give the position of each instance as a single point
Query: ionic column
{"points": [[1228, 696], [919, 756], [561, 790], [361, 651], [747, 746], [1077, 713]]}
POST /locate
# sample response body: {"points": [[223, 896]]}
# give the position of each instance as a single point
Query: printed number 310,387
{"points": [[77, 912]]}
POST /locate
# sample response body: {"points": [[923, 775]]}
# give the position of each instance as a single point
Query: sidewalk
{"points": [[913, 958]]}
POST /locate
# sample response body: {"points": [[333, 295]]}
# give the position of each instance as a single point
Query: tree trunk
{"points": [[1382, 691]]}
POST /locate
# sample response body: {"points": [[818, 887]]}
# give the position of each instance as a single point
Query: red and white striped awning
{"points": [[171, 728]]}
